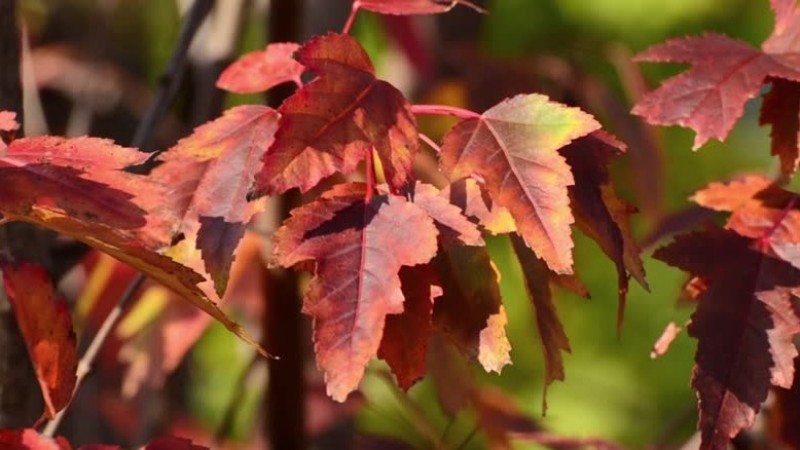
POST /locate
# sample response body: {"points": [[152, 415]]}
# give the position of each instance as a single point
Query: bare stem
{"points": [[370, 169], [444, 110], [85, 364], [351, 19], [431, 143]]}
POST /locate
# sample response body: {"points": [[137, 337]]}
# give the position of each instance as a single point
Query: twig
{"points": [[352, 17], [165, 93], [169, 82], [85, 364], [416, 416]]}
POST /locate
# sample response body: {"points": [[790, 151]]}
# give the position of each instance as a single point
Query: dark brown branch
{"points": [[283, 324]]}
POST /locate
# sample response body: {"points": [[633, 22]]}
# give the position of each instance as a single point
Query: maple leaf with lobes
{"points": [[330, 124], [710, 97], [745, 324], [514, 148], [358, 248]]}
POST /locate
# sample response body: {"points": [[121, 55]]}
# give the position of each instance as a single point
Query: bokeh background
{"points": [[95, 65]]}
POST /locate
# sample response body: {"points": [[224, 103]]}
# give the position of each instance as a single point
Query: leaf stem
{"points": [[85, 364], [352, 17], [431, 143], [444, 110], [370, 169]]}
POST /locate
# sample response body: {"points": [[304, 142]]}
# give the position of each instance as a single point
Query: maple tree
{"points": [[398, 261]]}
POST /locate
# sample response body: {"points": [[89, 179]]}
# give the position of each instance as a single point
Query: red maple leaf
{"points": [[261, 70], [78, 187], [404, 346], [331, 123], [30, 439], [745, 324], [470, 311], [599, 212], [709, 98], [358, 249], [551, 331], [46, 326], [514, 148], [209, 174]]}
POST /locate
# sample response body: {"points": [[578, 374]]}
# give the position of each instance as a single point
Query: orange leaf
{"points": [[46, 326], [514, 147]]}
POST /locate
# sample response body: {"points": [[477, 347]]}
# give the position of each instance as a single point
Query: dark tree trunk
{"points": [[283, 324]]}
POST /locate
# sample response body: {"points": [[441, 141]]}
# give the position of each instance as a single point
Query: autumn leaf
{"points": [[599, 212], [30, 439], [551, 332], [784, 420], [330, 124], [209, 174], [8, 123], [473, 199], [358, 249], [409, 7], [454, 228], [514, 148], [262, 70], [469, 311], [173, 443], [709, 98], [46, 326], [745, 324], [77, 187], [759, 210], [781, 109], [405, 337]]}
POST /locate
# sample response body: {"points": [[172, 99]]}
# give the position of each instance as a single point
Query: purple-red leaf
{"points": [[405, 338], [262, 70], [745, 324], [599, 212], [709, 98], [358, 249], [46, 326], [330, 124], [551, 331], [470, 311], [781, 109], [514, 147]]}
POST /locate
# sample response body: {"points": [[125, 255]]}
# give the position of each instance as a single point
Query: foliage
{"points": [[400, 267]]}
